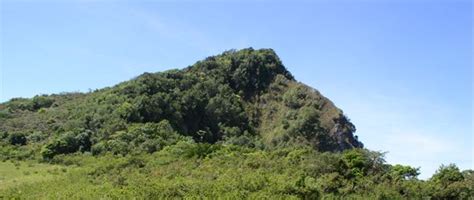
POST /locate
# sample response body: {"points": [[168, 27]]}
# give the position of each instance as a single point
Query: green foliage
{"points": [[4, 113], [233, 126], [201, 150], [148, 137], [19, 104], [67, 143], [41, 102], [296, 97], [192, 170], [404, 172], [17, 138], [253, 72], [34, 104], [307, 188], [330, 183], [446, 175], [356, 162], [449, 183], [9, 152]]}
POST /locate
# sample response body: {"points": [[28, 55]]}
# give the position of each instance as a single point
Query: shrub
{"points": [[201, 150], [20, 104], [36, 136], [330, 183], [148, 137], [66, 143], [306, 188], [98, 148], [41, 102], [17, 138], [4, 113], [296, 97], [356, 162]]}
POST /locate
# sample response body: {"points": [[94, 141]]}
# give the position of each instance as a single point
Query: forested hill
{"points": [[244, 97], [232, 126]]}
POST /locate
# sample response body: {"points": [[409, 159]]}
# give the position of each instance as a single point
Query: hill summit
{"points": [[244, 97]]}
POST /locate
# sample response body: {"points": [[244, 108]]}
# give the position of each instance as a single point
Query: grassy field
{"points": [[20, 172]]}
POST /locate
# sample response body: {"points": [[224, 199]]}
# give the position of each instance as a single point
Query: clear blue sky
{"points": [[401, 70]]}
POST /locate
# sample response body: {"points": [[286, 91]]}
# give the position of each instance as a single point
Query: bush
{"points": [[448, 183], [148, 137], [20, 104], [296, 97], [356, 162], [36, 136], [41, 102], [17, 138], [66, 143], [201, 150], [307, 188], [4, 113], [98, 148], [330, 183]]}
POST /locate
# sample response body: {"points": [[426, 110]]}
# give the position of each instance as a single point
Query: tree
{"points": [[83, 141], [69, 142], [356, 162], [42, 102], [253, 71], [448, 183], [402, 172], [447, 174]]}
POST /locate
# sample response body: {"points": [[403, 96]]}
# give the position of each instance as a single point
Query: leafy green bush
{"points": [[41, 102], [69, 142], [448, 183]]}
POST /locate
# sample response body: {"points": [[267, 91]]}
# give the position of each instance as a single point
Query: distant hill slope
{"points": [[244, 97]]}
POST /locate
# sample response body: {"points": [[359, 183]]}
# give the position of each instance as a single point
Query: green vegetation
{"points": [[17, 173], [232, 126], [195, 170]]}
